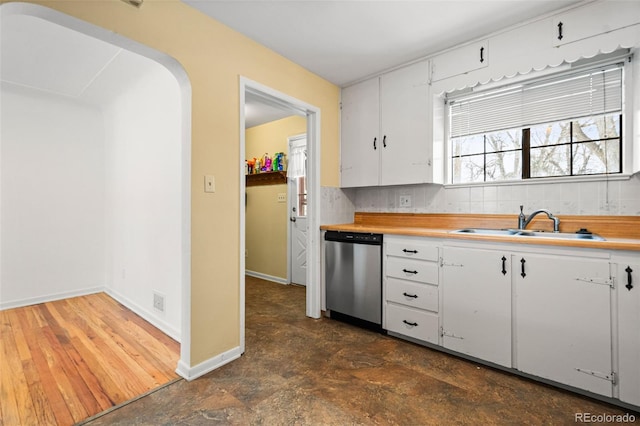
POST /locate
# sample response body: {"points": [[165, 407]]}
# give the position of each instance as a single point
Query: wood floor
{"points": [[64, 361]]}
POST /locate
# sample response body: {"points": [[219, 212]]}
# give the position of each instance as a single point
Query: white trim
{"points": [[144, 314], [243, 213], [314, 291], [51, 298], [266, 277], [191, 373], [548, 180], [176, 69]]}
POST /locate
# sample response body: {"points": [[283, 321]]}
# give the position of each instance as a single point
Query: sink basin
{"points": [[561, 235], [486, 231], [530, 234]]}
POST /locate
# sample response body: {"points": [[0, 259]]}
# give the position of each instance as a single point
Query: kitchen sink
{"points": [[562, 235], [530, 234], [486, 231]]}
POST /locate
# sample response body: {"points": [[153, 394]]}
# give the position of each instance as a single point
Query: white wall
{"points": [[52, 197], [144, 190], [90, 196]]}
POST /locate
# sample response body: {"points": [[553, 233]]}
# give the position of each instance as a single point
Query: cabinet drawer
{"points": [[413, 323], [411, 250], [421, 296], [413, 270]]}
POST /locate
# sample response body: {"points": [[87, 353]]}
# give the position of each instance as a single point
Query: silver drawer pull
{"points": [[413, 296], [412, 324]]}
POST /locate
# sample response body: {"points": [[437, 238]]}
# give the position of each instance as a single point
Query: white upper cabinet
{"points": [[406, 150], [385, 136], [360, 159], [592, 20], [461, 60]]}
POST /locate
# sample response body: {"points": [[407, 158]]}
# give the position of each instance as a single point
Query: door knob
{"points": [[292, 219]]}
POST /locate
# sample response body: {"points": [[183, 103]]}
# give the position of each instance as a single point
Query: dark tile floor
{"points": [[301, 371]]}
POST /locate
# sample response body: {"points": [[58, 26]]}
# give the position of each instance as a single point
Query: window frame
{"points": [[627, 150]]}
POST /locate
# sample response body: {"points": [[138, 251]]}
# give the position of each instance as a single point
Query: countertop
{"points": [[400, 225]]}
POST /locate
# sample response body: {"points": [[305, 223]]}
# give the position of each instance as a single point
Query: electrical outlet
{"points": [[158, 302], [282, 197], [405, 201]]}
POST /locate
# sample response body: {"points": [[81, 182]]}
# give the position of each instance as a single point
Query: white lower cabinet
{"points": [[410, 288], [571, 316], [563, 320], [628, 288], [476, 306]]}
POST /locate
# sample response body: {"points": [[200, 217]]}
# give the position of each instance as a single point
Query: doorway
{"points": [[180, 203], [312, 257]]}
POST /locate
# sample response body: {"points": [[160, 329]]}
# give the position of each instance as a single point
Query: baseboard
{"points": [[266, 277], [163, 326], [50, 298], [191, 373]]}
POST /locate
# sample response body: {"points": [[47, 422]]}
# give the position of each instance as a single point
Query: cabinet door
{"points": [[406, 147], [360, 144], [477, 303], [563, 320], [628, 286], [594, 19], [461, 60]]}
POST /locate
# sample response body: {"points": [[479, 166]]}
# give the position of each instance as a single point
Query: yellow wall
{"points": [[266, 218], [214, 57]]}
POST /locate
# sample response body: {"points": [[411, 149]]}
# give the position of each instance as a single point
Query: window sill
{"points": [[545, 181]]}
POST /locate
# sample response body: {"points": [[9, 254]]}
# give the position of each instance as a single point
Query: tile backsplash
{"points": [[336, 205], [613, 197]]}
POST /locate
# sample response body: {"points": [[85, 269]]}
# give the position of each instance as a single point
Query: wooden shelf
{"points": [[266, 178]]}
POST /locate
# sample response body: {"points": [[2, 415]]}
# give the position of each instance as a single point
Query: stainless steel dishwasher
{"points": [[353, 271]]}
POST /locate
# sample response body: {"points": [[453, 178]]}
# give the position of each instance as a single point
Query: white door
{"points": [[298, 213]]}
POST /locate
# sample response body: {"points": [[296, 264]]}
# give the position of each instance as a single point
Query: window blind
{"points": [[573, 95]]}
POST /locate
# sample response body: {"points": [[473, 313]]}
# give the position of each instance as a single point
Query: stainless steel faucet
{"points": [[523, 221]]}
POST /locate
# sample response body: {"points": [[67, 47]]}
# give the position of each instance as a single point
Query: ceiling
{"points": [[258, 112], [39, 55], [344, 41]]}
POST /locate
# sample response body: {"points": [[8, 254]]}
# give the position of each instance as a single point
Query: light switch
{"points": [[282, 197], [209, 183]]}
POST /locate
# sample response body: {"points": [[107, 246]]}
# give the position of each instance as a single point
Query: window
{"points": [[301, 196], [564, 126]]}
